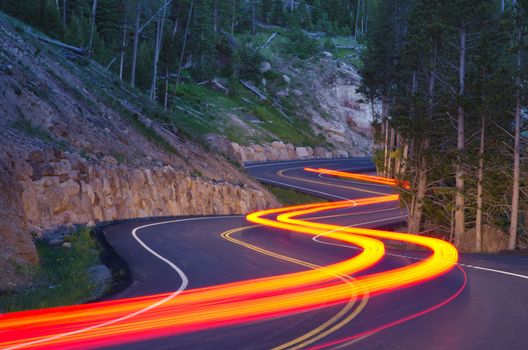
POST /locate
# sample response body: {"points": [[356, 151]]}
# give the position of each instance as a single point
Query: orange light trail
{"points": [[93, 325], [361, 177]]}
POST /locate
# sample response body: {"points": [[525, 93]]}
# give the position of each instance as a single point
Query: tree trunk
{"points": [[363, 20], [136, 43], [159, 39], [357, 20], [233, 7], [480, 179], [397, 160], [182, 55], [123, 45], [166, 95], [386, 150], [460, 224], [366, 21], [405, 157], [64, 13], [92, 27], [415, 219], [215, 16], [253, 24], [512, 242], [390, 172]]}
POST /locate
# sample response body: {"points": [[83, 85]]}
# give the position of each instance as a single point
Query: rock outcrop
{"points": [[324, 93], [276, 150], [57, 189], [343, 117], [71, 190], [17, 250], [79, 147], [493, 240]]}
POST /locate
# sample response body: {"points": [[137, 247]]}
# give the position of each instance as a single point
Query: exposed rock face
{"points": [[54, 110], [71, 190], [325, 94], [346, 119], [57, 189], [17, 251], [493, 240], [277, 150]]}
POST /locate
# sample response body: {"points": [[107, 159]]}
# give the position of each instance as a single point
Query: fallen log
{"points": [[266, 43], [78, 50], [248, 85], [232, 41]]}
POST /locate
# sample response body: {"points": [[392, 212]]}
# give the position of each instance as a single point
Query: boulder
{"points": [[301, 152], [493, 240], [110, 160], [62, 167], [319, 152], [70, 188], [265, 66], [297, 93], [341, 154], [101, 277]]}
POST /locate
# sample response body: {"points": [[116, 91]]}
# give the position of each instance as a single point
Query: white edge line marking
{"points": [[185, 282], [352, 181], [306, 189], [391, 254], [304, 161], [414, 258]]}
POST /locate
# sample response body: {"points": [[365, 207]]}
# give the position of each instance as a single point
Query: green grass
{"points": [[289, 197], [151, 134], [295, 131], [205, 111], [62, 278], [27, 127]]}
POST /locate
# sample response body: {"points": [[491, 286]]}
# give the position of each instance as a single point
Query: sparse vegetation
{"points": [[151, 134], [62, 278], [29, 129], [290, 197]]}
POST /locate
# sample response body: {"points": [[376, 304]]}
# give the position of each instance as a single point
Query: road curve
{"points": [[479, 304]]}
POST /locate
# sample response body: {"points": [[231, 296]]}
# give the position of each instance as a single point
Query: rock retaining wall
{"points": [[48, 191]]}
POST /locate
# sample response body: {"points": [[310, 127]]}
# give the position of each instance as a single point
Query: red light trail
{"points": [[140, 318], [362, 177]]}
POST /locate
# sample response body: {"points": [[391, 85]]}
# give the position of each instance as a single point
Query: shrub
{"points": [[301, 45]]}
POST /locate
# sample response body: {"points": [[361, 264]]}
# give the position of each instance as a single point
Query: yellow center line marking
{"points": [[281, 173], [364, 301], [322, 330]]}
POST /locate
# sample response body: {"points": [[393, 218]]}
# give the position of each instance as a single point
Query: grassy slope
{"points": [[62, 278], [290, 197], [202, 110]]}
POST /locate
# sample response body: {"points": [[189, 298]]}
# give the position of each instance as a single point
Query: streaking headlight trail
{"points": [[94, 325]]}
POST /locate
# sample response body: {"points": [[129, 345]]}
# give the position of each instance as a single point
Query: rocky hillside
{"points": [[79, 147], [309, 103]]}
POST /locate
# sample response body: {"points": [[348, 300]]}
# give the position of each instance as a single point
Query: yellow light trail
{"points": [[86, 326]]}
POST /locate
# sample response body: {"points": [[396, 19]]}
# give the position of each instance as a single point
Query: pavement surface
{"points": [[480, 304]]}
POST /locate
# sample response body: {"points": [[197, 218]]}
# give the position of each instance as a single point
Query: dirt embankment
{"points": [[79, 146]]}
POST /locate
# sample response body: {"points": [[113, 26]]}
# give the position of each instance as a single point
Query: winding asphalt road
{"points": [[481, 304]]}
